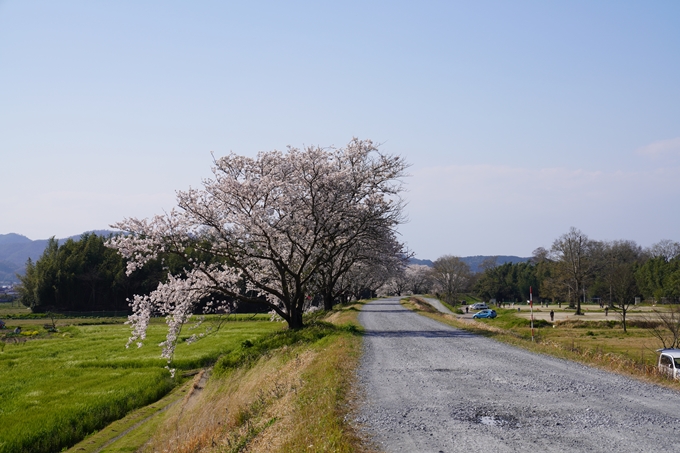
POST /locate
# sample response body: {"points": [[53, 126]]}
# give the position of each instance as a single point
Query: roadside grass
{"points": [[57, 388], [599, 343], [288, 391]]}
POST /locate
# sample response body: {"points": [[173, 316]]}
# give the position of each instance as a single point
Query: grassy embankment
{"points": [[468, 298], [285, 392], [598, 343], [56, 388]]}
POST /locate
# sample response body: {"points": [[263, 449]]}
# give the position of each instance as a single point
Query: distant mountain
{"points": [[476, 261], [13, 238], [421, 262], [16, 249]]}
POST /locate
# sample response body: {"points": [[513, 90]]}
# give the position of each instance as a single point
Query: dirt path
{"points": [[433, 388]]}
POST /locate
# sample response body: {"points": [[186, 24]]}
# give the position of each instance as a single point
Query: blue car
{"points": [[485, 314]]}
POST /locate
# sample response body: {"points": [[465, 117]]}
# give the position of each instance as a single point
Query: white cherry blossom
{"points": [[274, 230]]}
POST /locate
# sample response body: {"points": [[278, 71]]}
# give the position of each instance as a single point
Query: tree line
{"points": [[577, 269], [82, 275], [574, 270]]}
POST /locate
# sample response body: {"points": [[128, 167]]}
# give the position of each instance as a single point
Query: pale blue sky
{"points": [[521, 119]]}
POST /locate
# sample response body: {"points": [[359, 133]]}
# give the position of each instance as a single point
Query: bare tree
{"points": [[452, 275], [624, 289], [540, 255], [666, 249], [617, 268], [572, 253], [667, 327]]}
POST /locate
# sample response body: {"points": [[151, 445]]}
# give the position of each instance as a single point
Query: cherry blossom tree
{"points": [[413, 279], [375, 256], [419, 277], [265, 230], [366, 277]]}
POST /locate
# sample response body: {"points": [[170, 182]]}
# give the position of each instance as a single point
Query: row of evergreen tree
{"points": [[83, 275]]}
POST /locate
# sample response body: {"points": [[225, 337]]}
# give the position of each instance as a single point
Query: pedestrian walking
{"points": [[552, 315]]}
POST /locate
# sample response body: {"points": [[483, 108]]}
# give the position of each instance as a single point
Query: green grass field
{"points": [[12, 308], [57, 388]]}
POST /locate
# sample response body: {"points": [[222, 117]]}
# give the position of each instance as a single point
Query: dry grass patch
{"points": [[418, 304], [294, 398], [231, 412]]}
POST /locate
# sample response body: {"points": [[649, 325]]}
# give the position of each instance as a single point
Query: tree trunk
{"points": [[578, 301], [295, 319], [327, 301], [623, 318]]}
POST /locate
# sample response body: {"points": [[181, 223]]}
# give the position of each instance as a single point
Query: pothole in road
{"points": [[501, 421], [490, 421], [488, 416]]}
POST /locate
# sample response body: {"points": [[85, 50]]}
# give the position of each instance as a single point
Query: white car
{"points": [[479, 306], [669, 362]]}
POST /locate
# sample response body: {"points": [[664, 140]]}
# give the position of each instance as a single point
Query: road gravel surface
{"points": [[433, 388]]}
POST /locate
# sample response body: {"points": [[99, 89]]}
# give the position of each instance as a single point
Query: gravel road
{"points": [[433, 388]]}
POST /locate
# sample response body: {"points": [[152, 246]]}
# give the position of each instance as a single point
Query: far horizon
{"points": [[113, 231], [419, 257]]}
